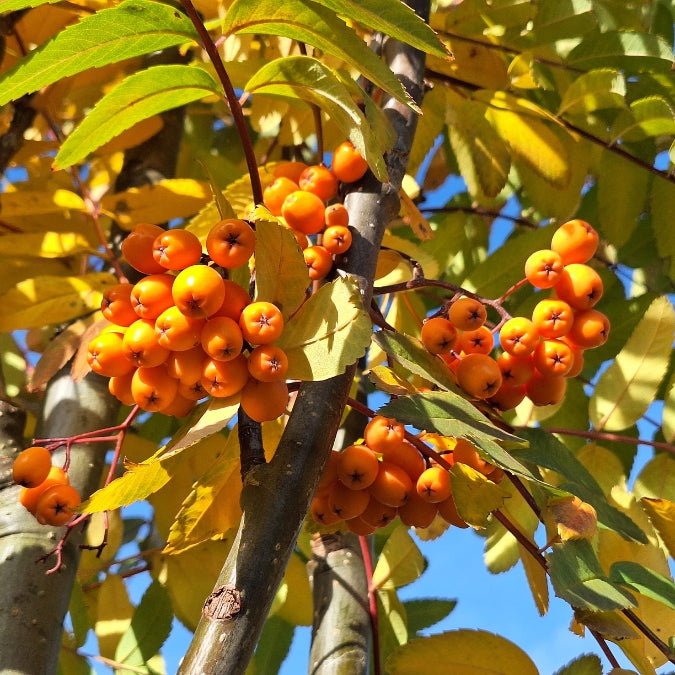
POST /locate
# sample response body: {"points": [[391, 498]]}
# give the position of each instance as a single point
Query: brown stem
{"points": [[372, 603], [232, 100], [605, 648], [649, 634], [522, 539], [606, 436]]}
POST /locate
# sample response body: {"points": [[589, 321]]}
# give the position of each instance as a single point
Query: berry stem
{"points": [[522, 539], [231, 97], [606, 436]]}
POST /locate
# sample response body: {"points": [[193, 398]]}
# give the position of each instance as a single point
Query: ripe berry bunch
{"points": [[184, 332], [303, 198], [45, 489], [368, 485], [538, 353]]}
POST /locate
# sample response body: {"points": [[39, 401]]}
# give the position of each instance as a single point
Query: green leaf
{"points": [[391, 18], [141, 95], [46, 300], [411, 353], [149, 629], [280, 271], [424, 613], [79, 617], [627, 50], [577, 578], [547, 451], [649, 116], [586, 664], [400, 563], [595, 90], [132, 28], [558, 19], [7, 6], [392, 622], [273, 645], [622, 193], [451, 415], [627, 388], [305, 78], [305, 21], [645, 581], [328, 333], [662, 209], [462, 652]]}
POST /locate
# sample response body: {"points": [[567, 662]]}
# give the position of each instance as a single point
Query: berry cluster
{"points": [[368, 485], [46, 491], [301, 196], [539, 353]]}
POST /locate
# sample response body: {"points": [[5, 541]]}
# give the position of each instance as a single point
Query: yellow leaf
{"points": [[113, 615], [385, 379], [190, 576], [165, 200], [387, 262], [43, 245], [93, 560], [298, 606], [603, 465], [627, 388], [532, 141], [328, 333], [610, 625], [661, 512], [212, 507], [132, 137], [27, 203], [412, 251], [461, 652], [413, 216], [574, 519], [657, 478], [43, 300], [400, 563], [475, 496], [537, 580]]}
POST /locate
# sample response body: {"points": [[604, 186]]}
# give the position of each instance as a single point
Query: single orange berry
{"points": [[438, 335], [516, 370], [268, 363], [137, 248], [290, 170], [152, 388], [383, 433], [198, 291], [261, 323], [553, 358], [337, 239], [347, 163], [479, 375], [507, 397], [276, 192], [31, 466], [224, 378], [230, 243], [543, 390], [221, 338], [319, 180], [30, 496], [318, 260], [264, 401], [392, 485], [336, 214], [580, 286], [236, 298], [519, 336], [106, 355], [120, 387], [543, 268], [377, 514], [552, 317], [575, 241], [140, 345], [304, 211], [177, 249], [347, 503], [433, 485], [178, 332], [152, 295], [357, 467], [417, 512], [590, 329], [116, 305], [478, 341], [56, 505], [467, 313]]}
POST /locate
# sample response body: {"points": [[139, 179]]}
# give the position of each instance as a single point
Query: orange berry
{"points": [[290, 170], [448, 511], [478, 341], [318, 260], [553, 357], [465, 452], [221, 338], [507, 397], [407, 456], [178, 332], [543, 268], [378, 514], [516, 370], [575, 241], [360, 527], [433, 485], [479, 375], [31, 466], [106, 355], [329, 474], [230, 243], [578, 358], [192, 390], [319, 180], [347, 163], [224, 378], [580, 286], [137, 248], [542, 390], [336, 214], [438, 335], [236, 298], [467, 313], [261, 323], [116, 305], [263, 401], [347, 503], [120, 387], [304, 211], [321, 511], [392, 485], [198, 291], [152, 388], [590, 328], [30, 496], [56, 505], [417, 512], [357, 467], [552, 318], [337, 239], [177, 249], [276, 192], [152, 295], [268, 363], [141, 345], [519, 336], [181, 406], [186, 366], [383, 433]]}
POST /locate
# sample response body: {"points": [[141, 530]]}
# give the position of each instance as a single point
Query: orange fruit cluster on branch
{"points": [[538, 353], [366, 486]]}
